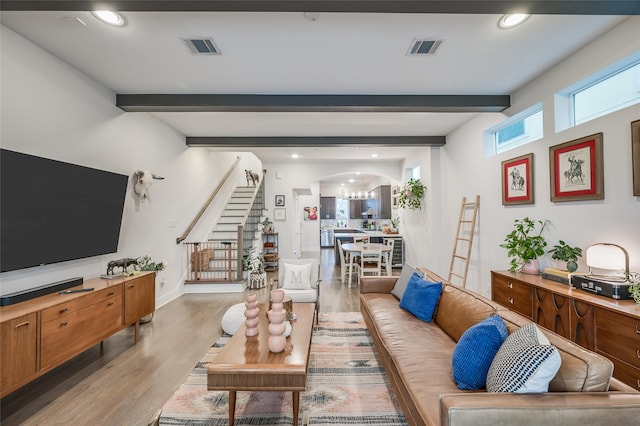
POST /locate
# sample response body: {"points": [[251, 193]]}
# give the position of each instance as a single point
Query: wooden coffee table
{"points": [[246, 364]]}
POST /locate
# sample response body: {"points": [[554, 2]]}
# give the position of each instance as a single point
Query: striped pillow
{"points": [[525, 363]]}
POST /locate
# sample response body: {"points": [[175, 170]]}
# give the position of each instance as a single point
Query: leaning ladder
{"points": [[464, 238]]}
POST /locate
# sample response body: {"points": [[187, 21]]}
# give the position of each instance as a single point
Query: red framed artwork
{"points": [[576, 169], [517, 180], [635, 156]]}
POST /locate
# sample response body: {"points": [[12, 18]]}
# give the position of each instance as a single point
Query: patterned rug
{"points": [[347, 385]]}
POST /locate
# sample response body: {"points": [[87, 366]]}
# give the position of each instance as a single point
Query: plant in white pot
{"points": [[564, 252], [525, 244], [411, 194]]}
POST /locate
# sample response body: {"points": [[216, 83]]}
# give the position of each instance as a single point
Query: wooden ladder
{"points": [[464, 237]]}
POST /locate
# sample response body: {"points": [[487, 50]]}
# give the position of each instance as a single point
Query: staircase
{"points": [[215, 265]]}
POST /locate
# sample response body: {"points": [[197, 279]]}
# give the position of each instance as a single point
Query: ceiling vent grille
{"points": [[201, 46], [424, 47]]}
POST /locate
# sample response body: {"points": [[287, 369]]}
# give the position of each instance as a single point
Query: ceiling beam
{"points": [[312, 141], [562, 7], [311, 103]]}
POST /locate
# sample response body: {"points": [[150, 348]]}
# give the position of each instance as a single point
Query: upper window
{"points": [[518, 130], [610, 89]]}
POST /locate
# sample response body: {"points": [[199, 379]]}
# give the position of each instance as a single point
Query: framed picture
{"points": [[635, 156], [279, 200], [279, 214], [517, 180], [311, 213], [576, 169]]}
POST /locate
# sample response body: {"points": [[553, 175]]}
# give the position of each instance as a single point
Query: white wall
{"points": [[52, 110], [283, 178], [466, 171]]}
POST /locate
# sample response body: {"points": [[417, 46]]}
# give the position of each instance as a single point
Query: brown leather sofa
{"points": [[417, 358]]}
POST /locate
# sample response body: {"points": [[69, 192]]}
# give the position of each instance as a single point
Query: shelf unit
{"points": [[270, 251]]}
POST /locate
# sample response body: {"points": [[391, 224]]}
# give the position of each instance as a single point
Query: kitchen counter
{"points": [[339, 233], [347, 237]]}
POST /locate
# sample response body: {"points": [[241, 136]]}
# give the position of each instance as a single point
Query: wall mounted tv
{"points": [[51, 211]]}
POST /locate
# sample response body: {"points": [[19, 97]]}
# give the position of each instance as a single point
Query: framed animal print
{"points": [[279, 200], [635, 156], [576, 169], [517, 180]]}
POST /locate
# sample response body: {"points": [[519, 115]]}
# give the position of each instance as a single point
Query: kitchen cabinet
{"points": [[356, 207], [19, 354], [607, 326], [383, 197], [327, 207]]}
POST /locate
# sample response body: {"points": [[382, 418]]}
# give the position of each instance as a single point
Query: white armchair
{"points": [[300, 280]]}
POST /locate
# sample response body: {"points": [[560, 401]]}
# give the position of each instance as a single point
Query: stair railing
{"points": [[195, 220]]}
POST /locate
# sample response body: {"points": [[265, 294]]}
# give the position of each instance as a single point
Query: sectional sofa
{"points": [[417, 357]]}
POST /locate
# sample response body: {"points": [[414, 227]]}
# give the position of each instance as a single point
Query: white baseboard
{"points": [[213, 288]]}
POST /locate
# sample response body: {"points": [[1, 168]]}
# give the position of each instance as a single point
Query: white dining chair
{"points": [[370, 262], [361, 239], [345, 264], [388, 255]]}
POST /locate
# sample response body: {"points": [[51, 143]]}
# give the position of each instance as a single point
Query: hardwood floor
{"points": [[125, 384]]}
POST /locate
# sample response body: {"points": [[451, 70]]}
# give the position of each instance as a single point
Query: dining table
{"points": [[354, 250]]}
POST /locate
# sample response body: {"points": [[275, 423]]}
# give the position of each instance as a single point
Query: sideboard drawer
{"points": [[61, 310], [512, 294], [619, 336], [625, 372]]}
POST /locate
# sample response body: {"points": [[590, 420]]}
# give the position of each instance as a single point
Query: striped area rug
{"points": [[347, 385]]}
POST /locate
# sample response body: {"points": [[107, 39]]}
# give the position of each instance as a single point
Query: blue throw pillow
{"points": [[421, 297], [475, 351]]}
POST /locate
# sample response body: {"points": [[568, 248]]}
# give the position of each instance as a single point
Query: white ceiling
{"points": [[284, 53]]}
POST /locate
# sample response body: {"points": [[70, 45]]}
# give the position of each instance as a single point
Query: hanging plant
{"points": [[411, 194]]}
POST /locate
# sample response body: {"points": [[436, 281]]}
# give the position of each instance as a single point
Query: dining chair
{"points": [[370, 262], [361, 239], [388, 255], [345, 264]]}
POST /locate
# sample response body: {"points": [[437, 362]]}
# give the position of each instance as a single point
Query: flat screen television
{"points": [[52, 211]]}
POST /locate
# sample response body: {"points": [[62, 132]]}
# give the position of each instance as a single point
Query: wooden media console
{"points": [[40, 334]]}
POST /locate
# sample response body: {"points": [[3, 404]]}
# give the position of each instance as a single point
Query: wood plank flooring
{"points": [[125, 384]]}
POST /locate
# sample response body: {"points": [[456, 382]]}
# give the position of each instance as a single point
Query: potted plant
{"points": [[267, 225], [411, 194], [255, 265], [525, 244], [395, 223], [564, 252]]}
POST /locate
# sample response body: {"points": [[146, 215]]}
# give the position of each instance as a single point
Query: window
{"points": [[610, 89], [518, 130], [412, 173]]}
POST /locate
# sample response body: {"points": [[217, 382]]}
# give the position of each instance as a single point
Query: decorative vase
{"points": [[277, 326], [531, 267], [251, 313]]}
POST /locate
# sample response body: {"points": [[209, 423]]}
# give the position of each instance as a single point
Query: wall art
{"points": [[279, 200], [311, 213], [635, 155], [279, 214], [576, 169], [517, 180]]}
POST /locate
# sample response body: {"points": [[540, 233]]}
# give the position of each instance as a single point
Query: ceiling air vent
{"points": [[201, 46], [424, 47]]}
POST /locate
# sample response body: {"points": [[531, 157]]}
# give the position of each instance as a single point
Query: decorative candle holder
{"points": [[251, 313], [277, 326]]}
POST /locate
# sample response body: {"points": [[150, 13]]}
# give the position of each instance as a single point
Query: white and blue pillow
{"points": [[525, 363]]}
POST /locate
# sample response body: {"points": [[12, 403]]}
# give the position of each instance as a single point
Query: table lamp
{"points": [[608, 257]]}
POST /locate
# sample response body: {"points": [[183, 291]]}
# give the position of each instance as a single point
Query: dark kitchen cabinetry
{"points": [[327, 207], [356, 207]]}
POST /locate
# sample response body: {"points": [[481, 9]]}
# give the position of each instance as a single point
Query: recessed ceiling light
{"points": [[374, 155], [512, 20], [109, 17], [351, 180], [294, 155]]}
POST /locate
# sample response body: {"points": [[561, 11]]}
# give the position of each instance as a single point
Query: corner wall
{"points": [[466, 171], [50, 109]]}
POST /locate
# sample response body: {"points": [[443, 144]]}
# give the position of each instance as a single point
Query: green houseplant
{"points": [[411, 194], [563, 251], [525, 244]]}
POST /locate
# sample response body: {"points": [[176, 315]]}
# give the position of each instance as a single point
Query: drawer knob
{"points": [[110, 304], [62, 311], [64, 324], [638, 382], [638, 353], [510, 300], [131, 286], [22, 324], [111, 294], [510, 285], [637, 329]]}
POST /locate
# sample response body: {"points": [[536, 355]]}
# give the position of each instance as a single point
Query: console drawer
{"points": [[61, 310], [619, 336], [78, 330], [512, 294], [624, 372]]}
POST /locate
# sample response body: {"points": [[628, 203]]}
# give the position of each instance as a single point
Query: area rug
{"points": [[347, 385]]}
